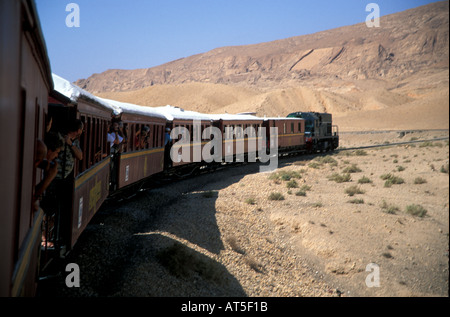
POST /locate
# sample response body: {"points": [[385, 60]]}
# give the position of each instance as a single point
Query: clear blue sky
{"points": [[130, 34]]}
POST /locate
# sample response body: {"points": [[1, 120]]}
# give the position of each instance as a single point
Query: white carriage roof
{"points": [[73, 92], [235, 117], [132, 108], [172, 113]]}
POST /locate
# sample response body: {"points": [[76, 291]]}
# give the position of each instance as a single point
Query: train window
{"points": [[105, 138], [147, 138], [151, 137], [135, 137], [284, 128], [132, 137], [299, 127], [95, 142], [102, 139], [155, 136], [89, 133], [82, 163], [148, 143], [160, 132], [125, 138], [292, 128]]}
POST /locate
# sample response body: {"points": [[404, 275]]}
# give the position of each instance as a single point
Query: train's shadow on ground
{"points": [[137, 247]]}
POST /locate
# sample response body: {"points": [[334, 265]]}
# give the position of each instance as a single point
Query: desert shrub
{"points": [[300, 193], [338, 178], [444, 168], [360, 153], [250, 201], [276, 196], [305, 187], [419, 180], [416, 210], [389, 208], [391, 180], [356, 201], [431, 144], [253, 264], [285, 175], [327, 160], [292, 184], [352, 169], [232, 241], [400, 168], [364, 180], [314, 165], [353, 190]]}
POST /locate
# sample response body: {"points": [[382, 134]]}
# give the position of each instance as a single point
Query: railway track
{"points": [[400, 134], [391, 144]]}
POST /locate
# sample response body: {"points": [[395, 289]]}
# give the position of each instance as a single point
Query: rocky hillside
{"points": [[406, 43], [392, 77]]}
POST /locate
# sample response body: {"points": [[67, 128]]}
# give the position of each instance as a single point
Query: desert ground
{"points": [[222, 234]]}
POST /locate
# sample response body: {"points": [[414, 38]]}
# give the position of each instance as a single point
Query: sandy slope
{"points": [[420, 102]]}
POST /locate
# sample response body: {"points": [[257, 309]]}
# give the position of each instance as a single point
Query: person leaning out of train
{"points": [[141, 137], [114, 136], [54, 144], [66, 158]]}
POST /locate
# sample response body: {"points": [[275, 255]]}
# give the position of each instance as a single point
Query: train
{"points": [[156, 142]]}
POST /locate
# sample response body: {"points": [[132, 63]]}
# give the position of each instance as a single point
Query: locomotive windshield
{"points": [[310, 119]]}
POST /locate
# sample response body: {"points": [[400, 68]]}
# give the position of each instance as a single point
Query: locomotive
{"points": [[32, 96], [320, 133]]}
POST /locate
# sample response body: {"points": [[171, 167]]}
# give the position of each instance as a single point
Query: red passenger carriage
{"points": [[24, 87], [87, 187]]}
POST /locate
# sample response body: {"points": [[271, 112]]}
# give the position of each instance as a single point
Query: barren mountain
{"points": [[348, 69]]}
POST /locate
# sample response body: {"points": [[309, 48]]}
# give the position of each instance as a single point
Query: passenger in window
{"points": [[58, 197], [142, 137], [54, 144], [72, 150], [115, 140], [114, 137], [167, 145], [123, 132]]}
